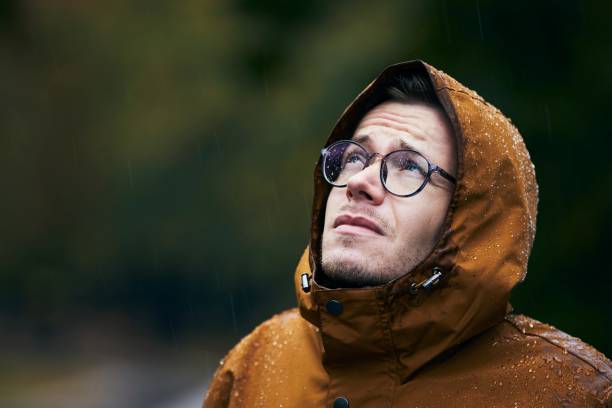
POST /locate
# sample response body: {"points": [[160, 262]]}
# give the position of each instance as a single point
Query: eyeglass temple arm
{"points": [[445, 174]]}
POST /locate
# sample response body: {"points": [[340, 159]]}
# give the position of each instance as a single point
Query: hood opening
{"points": [[405, 82]]}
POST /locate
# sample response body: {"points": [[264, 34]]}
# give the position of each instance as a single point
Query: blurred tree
{"points": [[157, 157]]}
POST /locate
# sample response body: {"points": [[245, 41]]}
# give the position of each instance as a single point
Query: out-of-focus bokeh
{"points": [[156, 170]]}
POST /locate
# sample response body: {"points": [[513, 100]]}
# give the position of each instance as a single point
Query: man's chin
{"points": [[351, 272], [347, 255], [348, 261], [345, 263]]}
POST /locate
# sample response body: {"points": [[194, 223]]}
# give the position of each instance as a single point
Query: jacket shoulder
{"points": [[576, 359], [565, 343], [270, 334], [270, 330]]}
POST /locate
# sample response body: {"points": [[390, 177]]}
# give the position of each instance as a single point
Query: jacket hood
{"points": [[482, 253]]}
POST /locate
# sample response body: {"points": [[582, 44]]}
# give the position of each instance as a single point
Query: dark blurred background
{"points": [[156, 170]]}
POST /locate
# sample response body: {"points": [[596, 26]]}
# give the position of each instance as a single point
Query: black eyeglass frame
{"points": [[431, 168]]}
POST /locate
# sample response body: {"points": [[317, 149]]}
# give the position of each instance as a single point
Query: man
{"points": [[423, 219]]}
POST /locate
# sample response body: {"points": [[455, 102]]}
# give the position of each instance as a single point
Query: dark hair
{"points": [[413, 88]]}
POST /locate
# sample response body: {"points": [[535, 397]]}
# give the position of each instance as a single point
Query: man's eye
{"points": [[354, 159], [411, 166]]}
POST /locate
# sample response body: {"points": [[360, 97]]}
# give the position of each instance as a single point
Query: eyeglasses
{"points": [[403, 173]]}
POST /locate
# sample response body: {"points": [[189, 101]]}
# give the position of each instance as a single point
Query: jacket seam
{"points": [[384, 323], [476, 98], [607, 394], [559, 347]]}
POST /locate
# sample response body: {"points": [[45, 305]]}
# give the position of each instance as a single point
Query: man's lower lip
{"points": [[355, 230]]}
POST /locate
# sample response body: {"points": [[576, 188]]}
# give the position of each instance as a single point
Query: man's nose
{"points": [[366, 185]]}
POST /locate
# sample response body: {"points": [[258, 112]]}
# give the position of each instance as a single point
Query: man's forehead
{"points": [[408, 125]]}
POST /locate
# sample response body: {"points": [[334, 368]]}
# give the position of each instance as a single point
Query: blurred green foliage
{"points": [[157, 157]]}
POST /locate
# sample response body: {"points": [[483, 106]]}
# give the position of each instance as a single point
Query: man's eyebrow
{"points": [[362, 139], [365, 139], [405, 145]]}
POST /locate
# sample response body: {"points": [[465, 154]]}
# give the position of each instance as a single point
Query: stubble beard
{"points": [[374, 270]]}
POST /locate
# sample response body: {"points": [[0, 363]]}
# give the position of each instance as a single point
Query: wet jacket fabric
{"points": [[416, 341]]}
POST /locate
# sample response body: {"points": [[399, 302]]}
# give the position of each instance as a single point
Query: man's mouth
{"points": [[346, 224]]}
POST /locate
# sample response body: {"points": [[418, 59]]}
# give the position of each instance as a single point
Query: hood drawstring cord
{"points": [[429, 282]]}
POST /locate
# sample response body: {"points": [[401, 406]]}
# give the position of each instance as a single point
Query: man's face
{"points": [[408, 227]]}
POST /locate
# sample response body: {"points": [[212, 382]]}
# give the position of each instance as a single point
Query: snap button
{"points": [[341, 402], [334, 307]]}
